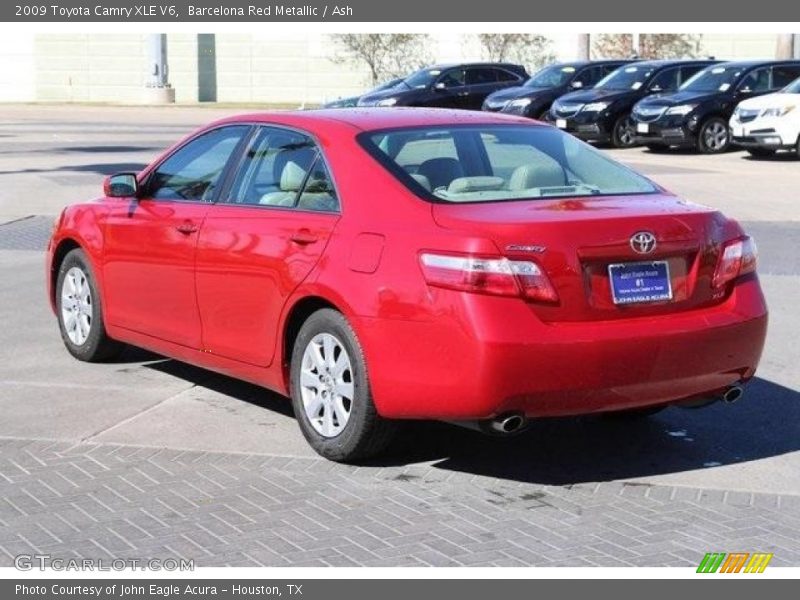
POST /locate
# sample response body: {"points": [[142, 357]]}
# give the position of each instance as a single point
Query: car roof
{"points": [[675, 62], [586, 63], [746, 64], [372, 119], [441, 66]]}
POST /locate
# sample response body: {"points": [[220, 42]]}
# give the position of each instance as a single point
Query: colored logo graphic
{"points": [[734, 562]]}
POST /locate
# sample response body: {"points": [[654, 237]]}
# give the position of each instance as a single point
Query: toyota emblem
{"points": [[643, 242]]}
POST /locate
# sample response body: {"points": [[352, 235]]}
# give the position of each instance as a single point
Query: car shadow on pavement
{"points": [[777, 157], [235, 388], [764, 423], [563, 451]]}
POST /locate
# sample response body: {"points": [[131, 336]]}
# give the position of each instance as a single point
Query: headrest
{"points": [[475, 184], [542, 174], [422, 180], [292, 177]]}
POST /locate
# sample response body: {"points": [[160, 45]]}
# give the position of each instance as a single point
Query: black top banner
{"points": [[398, 11]]}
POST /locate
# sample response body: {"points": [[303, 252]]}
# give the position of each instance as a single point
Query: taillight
{"points": [[488, 275], [737, 258]]}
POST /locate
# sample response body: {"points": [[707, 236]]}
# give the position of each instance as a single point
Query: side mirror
{"points": [[121, 185], [656, 89], [745, 90], [576, 85], [439, 86]]}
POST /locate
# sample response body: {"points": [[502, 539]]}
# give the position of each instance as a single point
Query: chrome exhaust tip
{"points": [[732, 394], [508, 424], [503, 425]]}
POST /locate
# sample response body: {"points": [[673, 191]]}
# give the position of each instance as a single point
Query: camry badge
{"points": [[643, 242], [525, 248]]}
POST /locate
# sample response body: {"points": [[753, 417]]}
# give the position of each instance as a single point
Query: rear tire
{"points": [[714, 136], [80, 311], [331, 394], [624, 134]]}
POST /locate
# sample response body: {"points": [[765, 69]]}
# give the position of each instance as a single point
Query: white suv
{"points": [[766, 124]]}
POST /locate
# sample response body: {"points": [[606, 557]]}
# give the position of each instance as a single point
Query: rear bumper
{"points": [[493, 356]]}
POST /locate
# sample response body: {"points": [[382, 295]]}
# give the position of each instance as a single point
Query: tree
{"points": [[528, 49], [387, 55], [651, 45]]}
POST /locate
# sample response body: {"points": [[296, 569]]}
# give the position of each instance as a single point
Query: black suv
{"points": [[603, 114], [698, 114], [449, 86], [533, 99]]}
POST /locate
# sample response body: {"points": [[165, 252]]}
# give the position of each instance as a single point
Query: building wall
{"points": [[275, 67], [17, 67]]}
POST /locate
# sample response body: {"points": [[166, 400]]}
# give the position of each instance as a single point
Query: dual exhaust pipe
{"points": [[512, 423]]}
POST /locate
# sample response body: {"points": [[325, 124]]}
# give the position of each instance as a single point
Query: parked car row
{"points": [[704, 104]]}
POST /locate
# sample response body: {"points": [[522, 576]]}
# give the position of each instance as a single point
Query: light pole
{"points": [[157, 87], [584, 45]]}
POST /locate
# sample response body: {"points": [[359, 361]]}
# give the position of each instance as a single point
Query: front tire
{"points": [[80, 311], [714, 136], [624, 134], [331, 394]]}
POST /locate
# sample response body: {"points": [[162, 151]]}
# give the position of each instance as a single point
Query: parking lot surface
{"points": [[148, 457]]}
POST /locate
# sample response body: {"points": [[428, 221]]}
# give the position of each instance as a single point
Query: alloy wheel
{"points": [[76, 306], [715, 136], [625, 133], [326, 384]]}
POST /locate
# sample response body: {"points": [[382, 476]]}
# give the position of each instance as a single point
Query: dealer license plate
{"points": [[637, 282]]}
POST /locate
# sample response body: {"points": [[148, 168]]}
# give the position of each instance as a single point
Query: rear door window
{"points": [[481, 76], [784, 75], [283, 168]]}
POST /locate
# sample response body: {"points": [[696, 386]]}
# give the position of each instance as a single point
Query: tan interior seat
{"points": [[292, 177], [538, 175]]}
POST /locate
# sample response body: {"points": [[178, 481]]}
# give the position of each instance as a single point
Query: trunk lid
{"points": [[575, 241]]}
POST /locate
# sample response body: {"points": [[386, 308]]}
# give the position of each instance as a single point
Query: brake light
{"points": [[737, 258], [488, 275]]}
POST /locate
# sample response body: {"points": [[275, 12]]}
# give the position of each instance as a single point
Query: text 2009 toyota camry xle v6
{"points": [[378, 265]]}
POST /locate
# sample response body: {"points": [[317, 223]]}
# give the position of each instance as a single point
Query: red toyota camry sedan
{"points": [[377, 265]]}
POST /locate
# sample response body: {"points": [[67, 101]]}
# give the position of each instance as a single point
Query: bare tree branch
{"points": [[387, 55], [651, 45], [528, 49]]}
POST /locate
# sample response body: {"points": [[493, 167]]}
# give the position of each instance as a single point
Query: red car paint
{"points": [[216, 285]]}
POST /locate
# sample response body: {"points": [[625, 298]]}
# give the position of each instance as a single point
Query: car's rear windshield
{"points": [[493, 163]]}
